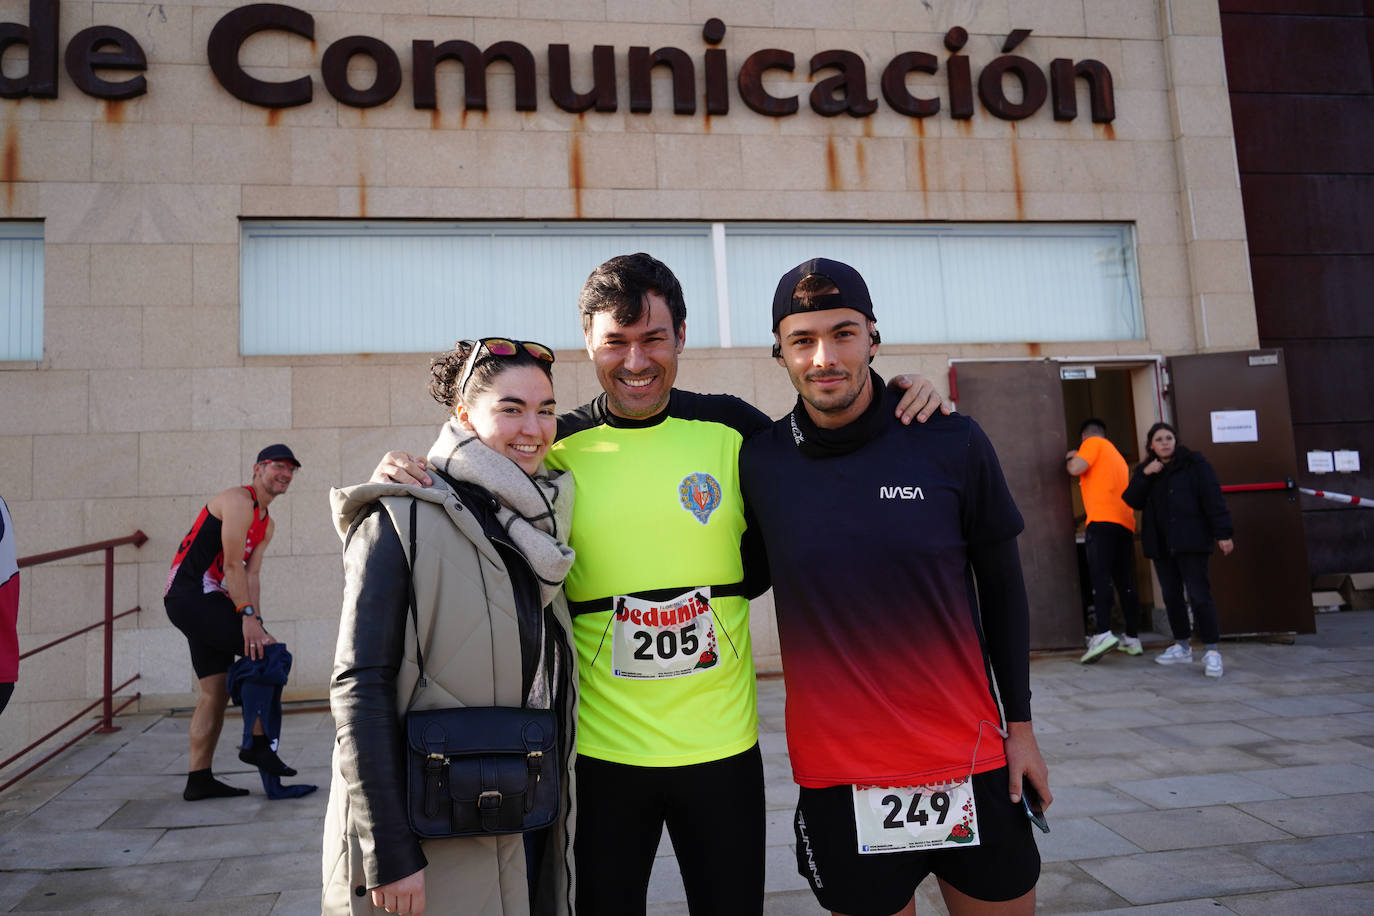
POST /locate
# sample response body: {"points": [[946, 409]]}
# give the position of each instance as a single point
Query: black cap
{"points": [[853, 291], [277, 452]]}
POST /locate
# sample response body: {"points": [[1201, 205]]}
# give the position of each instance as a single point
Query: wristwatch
{"points": [[247, 610]]}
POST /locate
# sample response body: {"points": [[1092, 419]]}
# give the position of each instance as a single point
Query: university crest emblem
{"points": [[700, 495]]}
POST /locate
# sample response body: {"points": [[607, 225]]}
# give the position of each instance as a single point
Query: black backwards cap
{"points": [[852, 290], [277, 452]]}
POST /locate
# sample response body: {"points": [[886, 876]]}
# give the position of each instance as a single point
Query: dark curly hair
{"points": [[620, 285], [447, 368]]}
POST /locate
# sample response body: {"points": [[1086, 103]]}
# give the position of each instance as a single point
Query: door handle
{"points": [[1286, 484]]}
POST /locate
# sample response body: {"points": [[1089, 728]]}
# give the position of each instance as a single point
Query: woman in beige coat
{"points": [[489, 559]]}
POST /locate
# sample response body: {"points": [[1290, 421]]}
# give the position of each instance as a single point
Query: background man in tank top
{"points": [[212, 596]]}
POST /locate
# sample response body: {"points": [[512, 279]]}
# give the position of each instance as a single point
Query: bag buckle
{"points": [[489, 800], [534, 764]]}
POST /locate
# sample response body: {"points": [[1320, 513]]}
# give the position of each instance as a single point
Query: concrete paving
{"points": [[1174, 794]]}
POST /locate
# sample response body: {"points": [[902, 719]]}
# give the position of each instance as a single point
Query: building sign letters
{"points": [[1010, 86]]}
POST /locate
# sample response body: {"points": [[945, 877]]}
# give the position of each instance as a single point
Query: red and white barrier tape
{"points": [[1366, 502]]}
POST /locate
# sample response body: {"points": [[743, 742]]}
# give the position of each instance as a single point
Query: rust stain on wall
{"points": [[273, 117], [707, 124], [10, 164], [861, 161], [832, 166], [575, 173], [435, 120], [925, 179], [868, 127], [1032, 349], [1105, 131], [362, 194], [114, 111], [1016, 177]]}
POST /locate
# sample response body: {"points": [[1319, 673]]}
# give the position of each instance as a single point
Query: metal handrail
{"points": [[138, 539], [106, 701]]}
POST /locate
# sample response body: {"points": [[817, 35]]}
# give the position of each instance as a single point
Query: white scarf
{"points": [[535, 512]]}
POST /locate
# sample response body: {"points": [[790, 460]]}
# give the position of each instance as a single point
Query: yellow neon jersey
{"points": [[659, 510]]}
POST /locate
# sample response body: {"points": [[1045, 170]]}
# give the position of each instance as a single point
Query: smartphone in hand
{"points": [[1031, 803]]}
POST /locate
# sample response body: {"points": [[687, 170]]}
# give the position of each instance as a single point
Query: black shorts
{"points": [[1005, 865], [211, 626], [714, 813]]}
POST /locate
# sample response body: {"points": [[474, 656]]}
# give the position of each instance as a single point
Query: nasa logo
{"points": [[900, 493]]}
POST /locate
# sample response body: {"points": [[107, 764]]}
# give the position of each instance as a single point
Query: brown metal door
{"points": [[1021, 407], [1262, 587]]}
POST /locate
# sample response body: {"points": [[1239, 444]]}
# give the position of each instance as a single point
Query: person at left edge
{"points": [[9, 607], [213, 597]]}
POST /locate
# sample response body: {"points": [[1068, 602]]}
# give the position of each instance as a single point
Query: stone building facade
{"points": [[143, 403]]}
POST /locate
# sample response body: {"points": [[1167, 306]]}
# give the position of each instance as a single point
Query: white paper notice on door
{"points": [[1234, 426]]}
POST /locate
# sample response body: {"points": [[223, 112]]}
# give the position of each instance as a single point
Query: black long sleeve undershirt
{"points": [[1006, 622]]}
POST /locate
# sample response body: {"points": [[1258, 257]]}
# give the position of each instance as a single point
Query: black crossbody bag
{"points": [[478, 770]]}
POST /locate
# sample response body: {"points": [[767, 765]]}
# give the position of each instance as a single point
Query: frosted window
{"points": [[953, 284], [403, 287], [314, 287], [21, 291]]}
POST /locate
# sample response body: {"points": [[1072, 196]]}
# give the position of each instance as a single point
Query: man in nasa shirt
{"points": [[892, 551]]}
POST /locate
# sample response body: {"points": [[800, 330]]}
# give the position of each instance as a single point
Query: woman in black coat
{"points": [[1183, 513]]}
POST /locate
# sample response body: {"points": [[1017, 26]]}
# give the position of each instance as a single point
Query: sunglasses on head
{"points": [[504, 348]]}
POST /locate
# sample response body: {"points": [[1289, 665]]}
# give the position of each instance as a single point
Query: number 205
{"points": [[667, 644]]}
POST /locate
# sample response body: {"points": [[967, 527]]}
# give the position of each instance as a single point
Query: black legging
{"points": [[1188, 570]]}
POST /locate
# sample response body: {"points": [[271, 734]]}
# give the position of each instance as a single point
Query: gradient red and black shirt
{"points": [[869, 531]]}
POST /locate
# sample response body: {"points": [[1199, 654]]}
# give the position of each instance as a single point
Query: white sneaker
{"points": [[1130, 645], [1099, 646], [1211, 660], [1175, 655]]}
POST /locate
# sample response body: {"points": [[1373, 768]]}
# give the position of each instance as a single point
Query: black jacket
{"points": [[1183, 510]]}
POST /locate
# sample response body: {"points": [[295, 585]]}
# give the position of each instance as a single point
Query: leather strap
{"points": [[435, 742], [534, 771], [491, 799], [434, 768], [410, 583]]}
